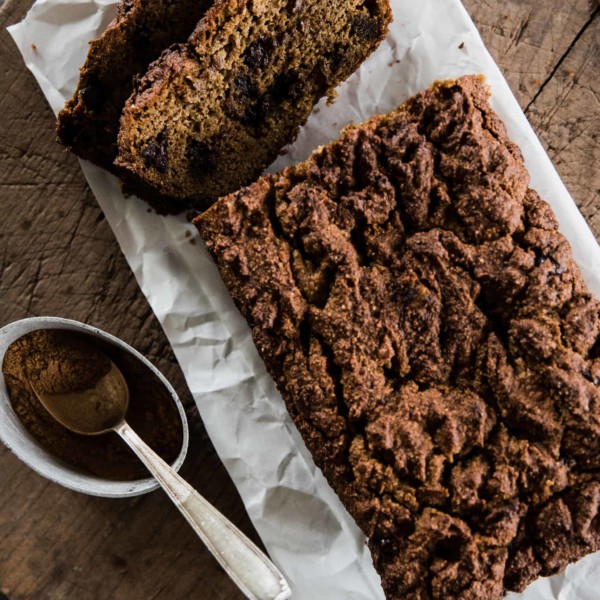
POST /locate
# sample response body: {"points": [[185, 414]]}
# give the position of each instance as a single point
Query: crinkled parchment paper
{"points": [[302, 523]]}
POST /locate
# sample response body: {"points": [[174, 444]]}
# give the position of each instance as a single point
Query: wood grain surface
{"points": [[59, 257]]}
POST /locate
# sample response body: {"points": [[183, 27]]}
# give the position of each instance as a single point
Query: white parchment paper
{"points": [[302, 523]]}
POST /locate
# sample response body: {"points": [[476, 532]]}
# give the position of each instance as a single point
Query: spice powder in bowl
{"points": [[57, 359]]}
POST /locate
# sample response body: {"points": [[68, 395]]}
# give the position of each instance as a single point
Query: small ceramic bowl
{"points": [[14, 435]]}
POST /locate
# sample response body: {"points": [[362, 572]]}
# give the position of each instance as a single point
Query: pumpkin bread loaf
{"points": [[211, 114], [433, 341]]}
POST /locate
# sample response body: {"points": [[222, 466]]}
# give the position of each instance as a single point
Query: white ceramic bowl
{"points": [[17, 438]]}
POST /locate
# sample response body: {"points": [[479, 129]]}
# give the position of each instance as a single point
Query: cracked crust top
{"points": [[433, 340]]}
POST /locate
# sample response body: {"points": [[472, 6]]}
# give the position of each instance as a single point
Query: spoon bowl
{"points": [[92, 411], [16, 437]]}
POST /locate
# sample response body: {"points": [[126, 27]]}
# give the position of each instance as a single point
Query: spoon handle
{"points": [[246, 564]]}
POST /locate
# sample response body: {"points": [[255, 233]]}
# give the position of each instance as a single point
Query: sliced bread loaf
{"points": [[211, 114], [142, 29]]}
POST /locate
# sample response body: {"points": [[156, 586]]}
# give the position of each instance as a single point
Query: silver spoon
{"points": [[103, 408]]}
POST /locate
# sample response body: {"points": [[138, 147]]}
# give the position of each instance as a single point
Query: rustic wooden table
{"points": [[59, 257]]}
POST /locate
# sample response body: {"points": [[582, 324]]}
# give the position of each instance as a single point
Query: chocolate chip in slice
{"points": [[244, 87], [155, 155], [201, 157], [288, 86], [259, 53], [365, 28]]}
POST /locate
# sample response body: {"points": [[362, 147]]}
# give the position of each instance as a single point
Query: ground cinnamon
{"points": [[56, 360]]}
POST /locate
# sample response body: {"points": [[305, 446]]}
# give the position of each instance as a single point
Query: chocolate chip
{"points": [[201, 157], [288, 86], [244, 86], [257, 112], [258, 54], [243, 95], [251, 108], [365, 28], [155, 156]]}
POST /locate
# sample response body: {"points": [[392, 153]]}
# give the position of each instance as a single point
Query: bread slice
{"points": [[433, 340], [211, 114], [142, 29]]}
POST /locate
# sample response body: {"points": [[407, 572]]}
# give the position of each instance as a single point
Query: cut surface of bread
{"points": [[211, 114], [88, 124]]}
